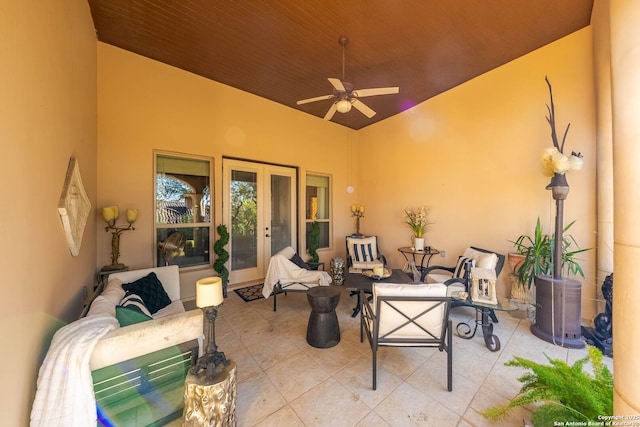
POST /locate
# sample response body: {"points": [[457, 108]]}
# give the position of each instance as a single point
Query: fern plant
{"points": [[565, 392], [222, 256]]}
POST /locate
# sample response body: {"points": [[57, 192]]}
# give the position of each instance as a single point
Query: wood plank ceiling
{"points": [[284, 50]]}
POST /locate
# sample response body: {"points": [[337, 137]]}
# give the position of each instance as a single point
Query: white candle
{"points": [[132, 215], [209, 292]]}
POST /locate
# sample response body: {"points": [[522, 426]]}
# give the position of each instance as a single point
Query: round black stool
{"points": [[323, 330]]}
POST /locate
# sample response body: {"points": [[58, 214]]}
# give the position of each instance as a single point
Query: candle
{"points": [[361, 209], [132, 214], [110, 213], [209, 292], [353, 208]]}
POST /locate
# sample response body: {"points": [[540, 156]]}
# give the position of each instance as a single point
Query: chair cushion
{"points": [[460, 271], [363, 252], [390, 319], [482, 259], [150, 290]]}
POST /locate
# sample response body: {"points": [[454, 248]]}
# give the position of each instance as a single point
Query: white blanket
{"points": [[284, 271], [64, 396]]}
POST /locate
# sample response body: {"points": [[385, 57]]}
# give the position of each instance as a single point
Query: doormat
{"points": [[250, 293]]}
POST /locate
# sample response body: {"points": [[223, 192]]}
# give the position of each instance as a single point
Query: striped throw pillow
{"points": [[134, 301], [460, 271]]}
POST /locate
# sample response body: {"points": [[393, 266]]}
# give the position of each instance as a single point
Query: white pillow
{"points": [[483, 259]]}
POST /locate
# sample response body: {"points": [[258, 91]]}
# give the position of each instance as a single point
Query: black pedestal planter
{"points": [[558, 309]]}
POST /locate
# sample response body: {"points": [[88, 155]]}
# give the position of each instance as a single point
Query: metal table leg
{"points": [[482, 319]]}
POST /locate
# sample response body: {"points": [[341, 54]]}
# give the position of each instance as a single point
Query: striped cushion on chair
{"points": [[363, 252], [460, 271]]}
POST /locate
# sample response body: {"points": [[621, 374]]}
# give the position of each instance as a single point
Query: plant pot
{"points": [[418, 243], [514, 259]]}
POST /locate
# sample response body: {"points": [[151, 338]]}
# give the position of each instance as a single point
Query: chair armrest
{"points": [[435, 267], [457, 280], [146, 337]]}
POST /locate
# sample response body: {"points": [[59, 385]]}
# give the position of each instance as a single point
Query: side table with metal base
{"points": [[427, 253], [483, 311]]}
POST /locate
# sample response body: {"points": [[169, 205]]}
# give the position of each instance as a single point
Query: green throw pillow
{"points": [[130, 315]]}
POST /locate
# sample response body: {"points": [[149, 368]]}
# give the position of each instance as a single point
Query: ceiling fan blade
{"points": [[360, 93], [336, 83], [360, 106], [317, 98], [331, 112]]}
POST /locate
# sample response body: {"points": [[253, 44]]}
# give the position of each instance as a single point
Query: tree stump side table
{"points": [[211, 402]]}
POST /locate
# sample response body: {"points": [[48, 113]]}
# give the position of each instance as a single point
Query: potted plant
{"points": [[222, 256], [536, 257], [418, 222], [313, 237], [556, 387]]}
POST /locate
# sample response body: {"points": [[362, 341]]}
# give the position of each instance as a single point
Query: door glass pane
{"points": [[280, 212], [244, 218]]}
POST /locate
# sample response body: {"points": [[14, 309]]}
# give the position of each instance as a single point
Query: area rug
{"points": [[250, 293]]}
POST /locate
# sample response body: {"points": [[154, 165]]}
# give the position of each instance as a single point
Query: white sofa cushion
{"points": [[176, 307], [391, 319]]}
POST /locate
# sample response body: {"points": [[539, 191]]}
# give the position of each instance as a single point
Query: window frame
{"points": [[210, 225], [307, 211]]}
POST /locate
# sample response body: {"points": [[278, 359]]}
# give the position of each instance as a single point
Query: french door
{"points": [[259, 209]]}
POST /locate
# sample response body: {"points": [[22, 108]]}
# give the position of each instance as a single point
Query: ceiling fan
{"points": [[346, 96]]}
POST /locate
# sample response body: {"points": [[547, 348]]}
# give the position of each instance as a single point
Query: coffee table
{"points": [[483, 319], [356, 282]]}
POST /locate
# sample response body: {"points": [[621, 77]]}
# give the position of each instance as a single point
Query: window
{"points": [[317, 195], [183, 210]]}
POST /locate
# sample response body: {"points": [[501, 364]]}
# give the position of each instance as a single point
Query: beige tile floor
{"points": [[283, 381]]}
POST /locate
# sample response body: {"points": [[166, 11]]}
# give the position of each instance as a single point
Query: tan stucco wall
{"points": [[145, 105], [470, 154], [48, 114]]}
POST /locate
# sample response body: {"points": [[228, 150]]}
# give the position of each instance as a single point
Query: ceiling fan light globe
{"points": [[343, 106]]}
